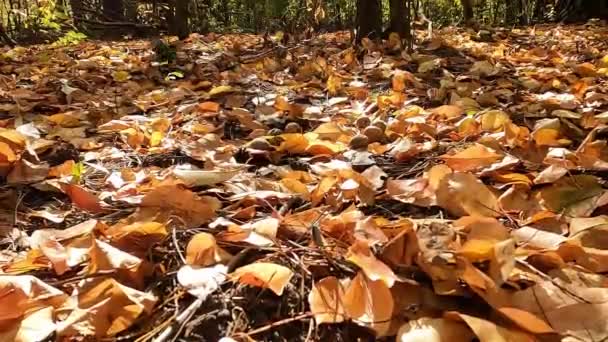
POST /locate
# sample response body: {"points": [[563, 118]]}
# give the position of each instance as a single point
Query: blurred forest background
{"points": [[28, 21]]}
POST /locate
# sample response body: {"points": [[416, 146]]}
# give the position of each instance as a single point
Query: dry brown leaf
{"points": [[472, 158], [487, 331], [191, 208], [202, 250], [136, 237], [434, 330], [570, 195], [326, 300], [264, 274], [129, 269], [561, 305], [448, 111], [204, 177], [103, 307], [24, 172], [369, 303], [26, 308], [82, 198], [361, 255], [463, 194]]}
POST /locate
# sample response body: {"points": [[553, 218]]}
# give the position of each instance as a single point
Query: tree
{"points": [[401, 19], [467, 11], [113, 10], [178, 18], [369, 18]]}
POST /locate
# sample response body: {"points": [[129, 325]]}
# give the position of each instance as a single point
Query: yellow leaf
{"points": [[104, 307], [326, 301], [221, 90], [494, 120], [334, 84], [296, 186], [463, 194], [472, 158], [263, 274], [121, 76], [127, 268], [7, 155], [370, 304], [293, 143], [64, 120], [547, 137], [360, 254], [12, 137], [448, 111], [156, 138], [136, 237], [564, 195], [399, 80], [202, 250]]}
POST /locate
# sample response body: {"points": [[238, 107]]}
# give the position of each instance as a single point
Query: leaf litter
{"points": [[456, 193]]}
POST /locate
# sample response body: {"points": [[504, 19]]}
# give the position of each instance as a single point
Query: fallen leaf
{"points": [[434, 330], [263, 274], [326, 301], [191, 208], [82, 198], [202, 250], [369, 304], [472, 158], [103, 307], [463, 194], [361, 255]]}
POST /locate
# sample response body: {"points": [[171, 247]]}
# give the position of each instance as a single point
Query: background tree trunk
{"points": [[181, 19], [113, 10], [399, 17], [467, 11], [369, 18]]}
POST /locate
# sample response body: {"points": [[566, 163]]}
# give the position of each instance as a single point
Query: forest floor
{"points": [[274, 189]]}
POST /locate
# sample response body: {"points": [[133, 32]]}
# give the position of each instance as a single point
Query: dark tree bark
{"points": [[580, 10], [179, 18], [513, 12], [399, 17], [369, 18], [467, 11], [113, 10]]}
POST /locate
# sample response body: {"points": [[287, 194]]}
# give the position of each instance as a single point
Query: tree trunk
{"points": [[580, 10], [178, 18], [467, 11], [369, 19], [113, 10], [399, 18]]}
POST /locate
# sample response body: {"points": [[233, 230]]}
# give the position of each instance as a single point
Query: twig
{"points": [[274, 325], [81, 277], [180, 320]]}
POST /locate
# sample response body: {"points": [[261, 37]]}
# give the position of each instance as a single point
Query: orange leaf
{"points": [[202, 250], [360, 254], [326, 301], [82, 198], [263, 274], [472, 158]]}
